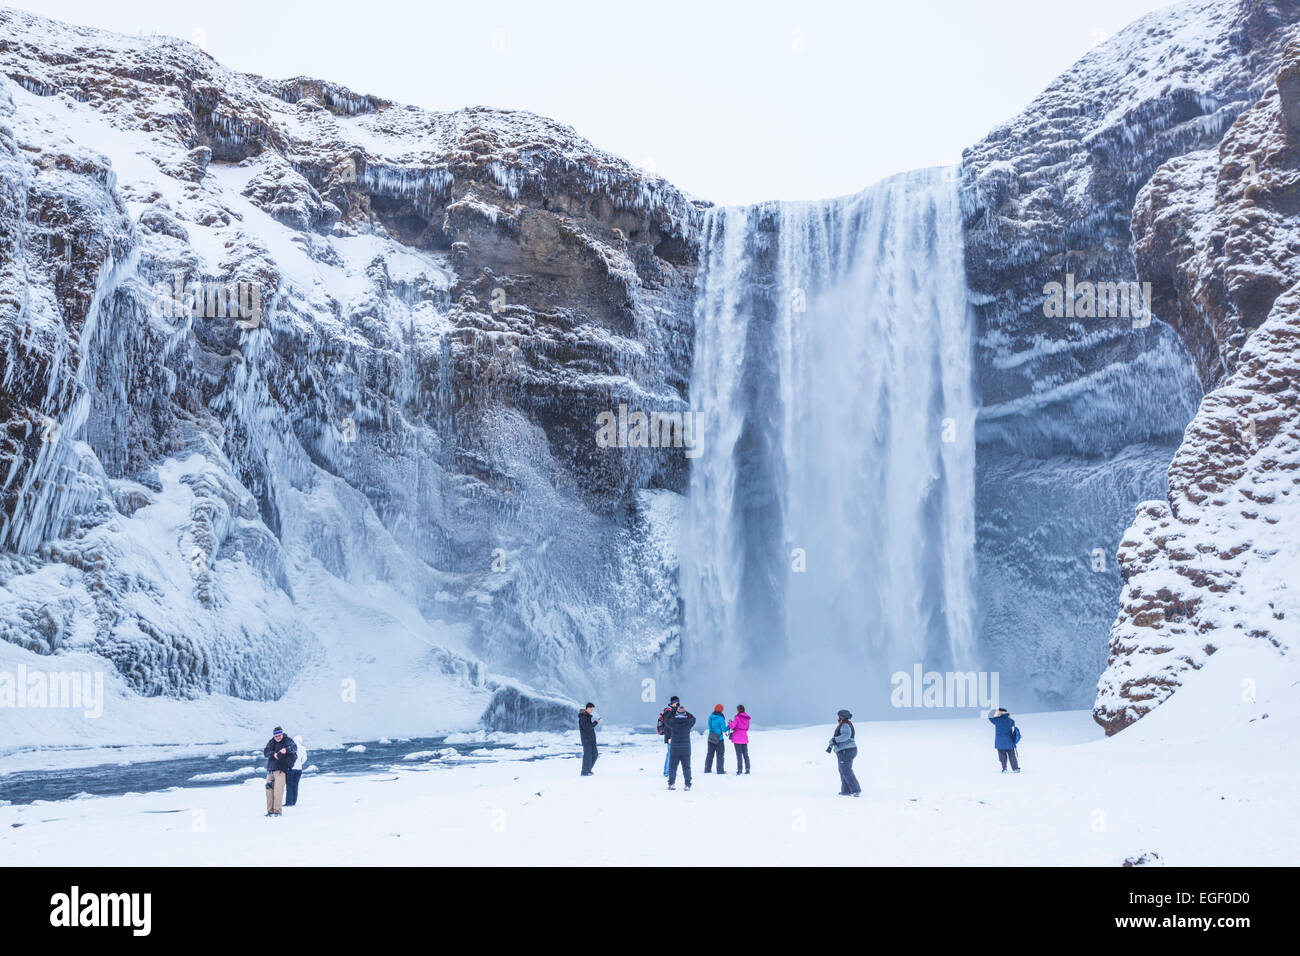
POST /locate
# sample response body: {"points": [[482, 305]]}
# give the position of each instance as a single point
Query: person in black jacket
{"points": [[587, 731], [280, 753], [678, 732], [665, 716]]}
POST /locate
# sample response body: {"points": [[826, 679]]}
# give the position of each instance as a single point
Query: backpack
{"points": [[1015, 737], [659, 725]]}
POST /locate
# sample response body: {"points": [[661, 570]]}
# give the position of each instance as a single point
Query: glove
{"points": [[828, 748]]}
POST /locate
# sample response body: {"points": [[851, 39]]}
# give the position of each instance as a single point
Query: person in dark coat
{"points": [[280, 753], [678, 731], [1004, 738], [293, 776], [665, 716], [587, 731], [844, 745]]}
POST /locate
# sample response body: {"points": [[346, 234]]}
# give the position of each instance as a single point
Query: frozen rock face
{"points": [[302, 387], [377, 426], [1217, 232], [1081, 415], [514, 709]]}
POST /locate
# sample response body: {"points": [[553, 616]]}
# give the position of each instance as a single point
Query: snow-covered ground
{"points": [[1205, 779]]}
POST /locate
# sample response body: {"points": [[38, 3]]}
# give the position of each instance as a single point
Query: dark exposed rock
{"points": [[448, 300], [1205, 568], [1051, 194], [514, 710]]}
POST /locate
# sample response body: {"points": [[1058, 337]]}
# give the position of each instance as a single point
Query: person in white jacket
{"points": [[292, 777]]}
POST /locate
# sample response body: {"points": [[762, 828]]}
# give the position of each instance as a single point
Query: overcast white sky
{"points": [[735, 102]]}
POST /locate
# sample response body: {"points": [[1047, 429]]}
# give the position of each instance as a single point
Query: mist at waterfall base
{"points": [[829, 536]]}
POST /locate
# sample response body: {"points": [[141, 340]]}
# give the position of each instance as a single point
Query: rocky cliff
{"points": [[1082, 414], [300, 382], [1217, 562], [301, 387]]}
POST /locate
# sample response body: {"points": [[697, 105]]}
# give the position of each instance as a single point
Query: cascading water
{"points": [[830, 533]]}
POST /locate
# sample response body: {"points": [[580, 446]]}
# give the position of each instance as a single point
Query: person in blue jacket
{"points": [[1004, 738], [717, 739]]}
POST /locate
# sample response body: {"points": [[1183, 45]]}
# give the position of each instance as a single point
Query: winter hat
{"points": [[278, 730], [844, 715], [673, 700], [718, 708]]}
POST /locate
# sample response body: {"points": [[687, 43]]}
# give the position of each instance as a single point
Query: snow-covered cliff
{"points": [[379, 469], [301, 392], [1081, 415], [1217, 562]]}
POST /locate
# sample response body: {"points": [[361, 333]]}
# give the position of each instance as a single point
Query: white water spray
{"points": [[830, 538]]}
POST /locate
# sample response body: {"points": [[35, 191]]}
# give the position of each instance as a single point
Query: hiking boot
{"points": [[722, 772], [688, 786], [671, 787]]}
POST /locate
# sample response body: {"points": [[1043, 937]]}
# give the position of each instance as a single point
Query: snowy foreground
{"points": [[1205, 779]]}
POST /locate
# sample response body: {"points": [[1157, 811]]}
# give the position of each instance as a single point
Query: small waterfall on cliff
{"points": [[830, 533]]}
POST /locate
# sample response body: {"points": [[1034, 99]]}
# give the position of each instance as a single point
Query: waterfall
{"points": [[830, 535]]}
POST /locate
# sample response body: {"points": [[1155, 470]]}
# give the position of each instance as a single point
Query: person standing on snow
{"points": [[739, 727], [845, 746], [662, 729], [1004, 738], [587, 731], [678, 731], [280, 753], [294, 774], [717, 740]]}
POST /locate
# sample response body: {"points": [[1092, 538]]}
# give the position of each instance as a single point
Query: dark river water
{"points": [[112, 779]]}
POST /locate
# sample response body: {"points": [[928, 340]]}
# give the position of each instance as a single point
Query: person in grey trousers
{"points": [[845, 747]]}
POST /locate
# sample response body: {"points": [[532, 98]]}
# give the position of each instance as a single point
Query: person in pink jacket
{"points": [[739, 728]]}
